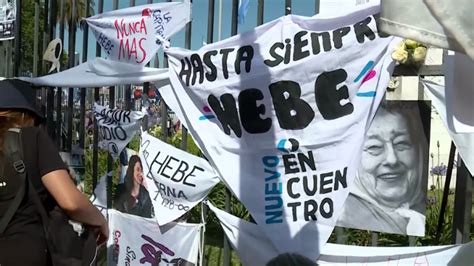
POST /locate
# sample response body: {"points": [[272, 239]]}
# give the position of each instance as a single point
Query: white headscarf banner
{"points": [[116, 127], [138, 241], [177, 180], [133, 35], [281, 113], [245, 236]]}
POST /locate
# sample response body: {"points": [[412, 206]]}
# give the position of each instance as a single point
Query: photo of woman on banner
{"points": [[389, 191], [132, 196]]}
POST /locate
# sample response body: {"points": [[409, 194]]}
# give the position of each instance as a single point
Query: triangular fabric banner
{"points": [[116, 127], [176, 180], [464, 141], [99, 196], [134, 34], [140, 241], [281, 113], [245, 237], [458, 69], [99, 72]]}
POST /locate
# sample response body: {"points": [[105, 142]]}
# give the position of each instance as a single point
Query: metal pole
{"points": [[50, 97], [260, 9], [341, 238], [59, 93], [128, 88], [83, 91], [36, 39], [187, 45], [287, 7], [444, 202], [16, 66], [462, 204], [228, 196], [316, 6], [71, 46], [219, 22], [95, 153], [163, 107], [374, 239]]}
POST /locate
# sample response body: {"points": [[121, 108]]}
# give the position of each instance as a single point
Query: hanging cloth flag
{"points": [[134, 34], [245, 236], [176, 180], [99, 196], [7, 19], [243, 9], [53, 54], [116, 127], [138, 241], [281, 112]]}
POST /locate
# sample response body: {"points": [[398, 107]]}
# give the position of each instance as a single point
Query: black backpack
{"points": [[65, 246]]}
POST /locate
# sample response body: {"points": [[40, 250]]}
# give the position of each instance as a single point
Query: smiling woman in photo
{"points": [[389, 191]]}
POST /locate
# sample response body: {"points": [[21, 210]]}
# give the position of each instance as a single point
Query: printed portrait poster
{"points": [[281, 112], [139, 241], [134, 35], [176, 179], [389, 191], [116, 127], [7, 19]]}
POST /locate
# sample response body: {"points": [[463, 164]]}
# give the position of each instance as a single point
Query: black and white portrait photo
{"points": [[389, 191]]}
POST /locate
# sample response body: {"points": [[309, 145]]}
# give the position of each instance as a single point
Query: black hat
{"points": [[17, 94]]}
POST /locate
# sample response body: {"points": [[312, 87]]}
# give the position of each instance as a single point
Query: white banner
{"points": [[116, 127], [245, 236], [134, 34], [281, 113], [140, 241], [464, 141], [99, 196], [458, 69], [176, 180], [7, 19]]}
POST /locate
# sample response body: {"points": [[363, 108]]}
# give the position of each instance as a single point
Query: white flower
{"points": [[419, 54], [400, 55]]}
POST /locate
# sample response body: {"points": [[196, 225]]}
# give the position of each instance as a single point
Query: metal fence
{"points": [[65, 120]]}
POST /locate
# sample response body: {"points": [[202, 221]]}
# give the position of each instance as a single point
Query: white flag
{"points": [[176, 180], [140, 241], [116, 127], [134, 34], [281, 112], [254, 248]]}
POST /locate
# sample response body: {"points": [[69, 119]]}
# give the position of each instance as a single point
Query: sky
{"points": [[273, 9]]}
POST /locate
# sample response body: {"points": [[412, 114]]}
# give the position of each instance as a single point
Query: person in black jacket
{"points": [[23, 240]]}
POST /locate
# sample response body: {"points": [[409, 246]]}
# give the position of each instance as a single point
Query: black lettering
{"points": [[315, 42], [244, 54], [225, 55], [289, 187], [340, 178], [323, 181], [250, 112], [289, 163], [181, 171], [227, 113], [277, 58], [309, 160], [337, 36], [185, 70], [185, 181], [170, 192], [197, 68], [167, 166], [363, 30], [298, 52], [210, 76], [292, 112], [310, 209], [322, 208], [310, 191], [287, 51], [328, 97], [293, 206]]}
